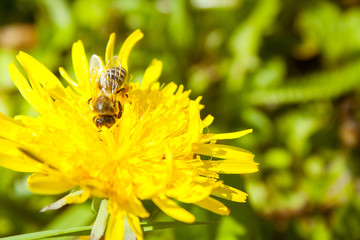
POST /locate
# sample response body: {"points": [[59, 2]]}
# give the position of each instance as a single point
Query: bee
{"points": [[106, 83]]}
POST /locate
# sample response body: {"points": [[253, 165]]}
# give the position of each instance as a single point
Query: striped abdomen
{"points": [[113, 79]]}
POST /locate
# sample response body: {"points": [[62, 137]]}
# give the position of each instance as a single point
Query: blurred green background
{"points": [[288, 69]]}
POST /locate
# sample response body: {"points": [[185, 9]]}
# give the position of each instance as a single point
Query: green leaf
{"points": [[162, 225], [95, 205], [77, 231], [85, 231], [230, 229], [322, 85]]}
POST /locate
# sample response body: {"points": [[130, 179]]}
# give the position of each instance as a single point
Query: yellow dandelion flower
{"points": [[153, 151]]}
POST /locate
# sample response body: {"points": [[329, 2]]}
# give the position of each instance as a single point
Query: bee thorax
{"points": [[104, 105]]}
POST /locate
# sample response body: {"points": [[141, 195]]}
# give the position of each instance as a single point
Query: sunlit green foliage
{"points": [[288, 69]]}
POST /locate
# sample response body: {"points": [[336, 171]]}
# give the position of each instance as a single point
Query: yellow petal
{"points": [[195, 128], [10, 155], [11, 130], [127, 47], [209, 174], [115, 228], [108, 137], [31, 96], [207, 121], [137, 207], [78, 198], [74, 90], [193, 192], [65, 200], [18, 164], [68, 79], [110, 47], [12, 158], [180, 90], [152, 74], [4, 119], [172, 209], [169, 89], [37, 72], [229, 166], [81, 67], [223, 151], [221, 136], [214, 206], [134, 223], [44, 184], [230, 193]]}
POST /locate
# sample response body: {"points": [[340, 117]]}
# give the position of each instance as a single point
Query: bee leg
{"points": [[124, 91], [120, 110], [89, 100], [120, 90]]}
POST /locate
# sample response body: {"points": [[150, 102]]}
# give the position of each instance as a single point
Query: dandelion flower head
{"points": [[154, 151]]}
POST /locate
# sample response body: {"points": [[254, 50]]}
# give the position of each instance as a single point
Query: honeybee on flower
{"points": [[154, 152], [107, 83]]}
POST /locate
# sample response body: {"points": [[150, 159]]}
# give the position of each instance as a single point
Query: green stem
{"points": [[323, 85]]}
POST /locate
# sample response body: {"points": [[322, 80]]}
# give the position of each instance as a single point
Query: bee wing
{"points": [[113, 62], [109, 80], [96, 68]]}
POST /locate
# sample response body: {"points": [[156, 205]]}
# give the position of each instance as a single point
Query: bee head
{"points": [[104, 120]]}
